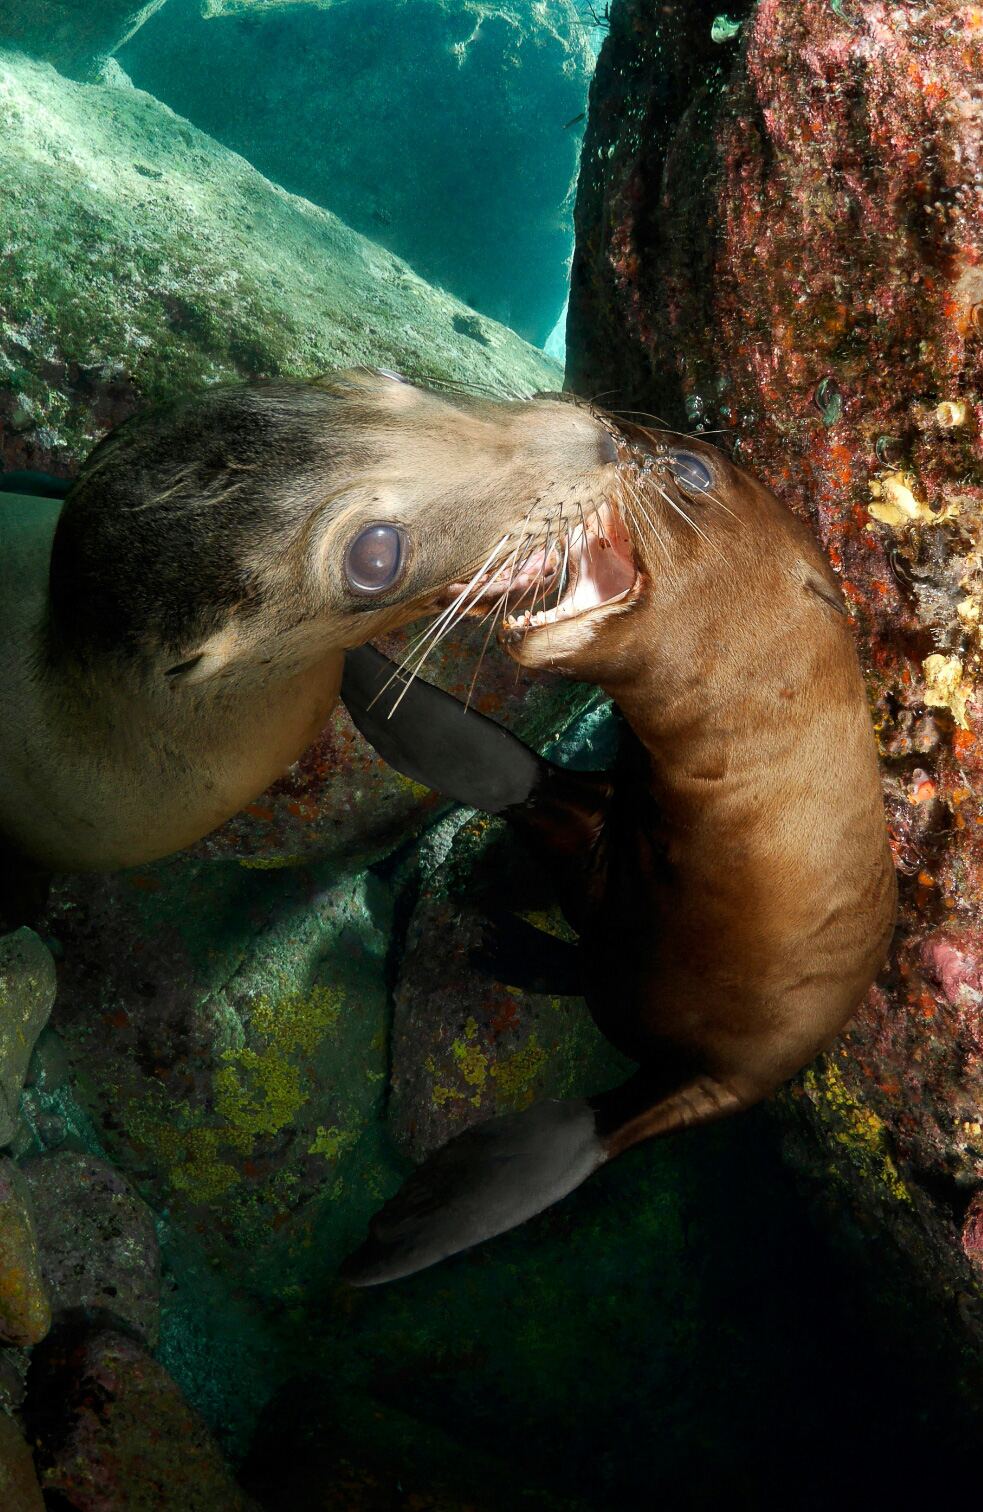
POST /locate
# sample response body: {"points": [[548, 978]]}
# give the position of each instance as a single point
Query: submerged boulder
{"points": [[113, 1432], [447, 130], [27, 990], [77, 36], [97, 1240], [142, 260], [792, 258], [25, 1313], [467, 1046], [19, 1487]]}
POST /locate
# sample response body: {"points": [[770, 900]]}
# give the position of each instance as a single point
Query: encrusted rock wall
{"points": [[790, 257]]}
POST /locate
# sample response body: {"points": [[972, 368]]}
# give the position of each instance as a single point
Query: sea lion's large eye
{"points": [[689, 471], [373, 558]]}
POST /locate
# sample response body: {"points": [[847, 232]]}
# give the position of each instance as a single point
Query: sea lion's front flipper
{"points": [[494, 1176], [431, 737]]}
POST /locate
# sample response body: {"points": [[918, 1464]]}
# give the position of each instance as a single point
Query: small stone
{"points": [[25, 1315], [97, 1239], [27, 991], [114, 1434], [49, 1067], [19, 1489]]}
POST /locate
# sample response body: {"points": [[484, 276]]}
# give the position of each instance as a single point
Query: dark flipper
{"points": [[432, 738], [482, 1183], [496, 1175], [521, 955], [40, 485]]}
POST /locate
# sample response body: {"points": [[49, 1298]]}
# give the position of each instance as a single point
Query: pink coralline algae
{"points": [[794, 262]]}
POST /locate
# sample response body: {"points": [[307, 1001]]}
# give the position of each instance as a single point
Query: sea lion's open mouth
{"points": [[590, 568], [596, 569]]}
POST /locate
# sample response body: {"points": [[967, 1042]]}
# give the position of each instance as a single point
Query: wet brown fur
{"points": [[739, 896], [191, 645]]}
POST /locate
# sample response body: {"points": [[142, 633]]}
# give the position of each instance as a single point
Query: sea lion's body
{"points": [[90, 780], [730, 879], [188, 643]]}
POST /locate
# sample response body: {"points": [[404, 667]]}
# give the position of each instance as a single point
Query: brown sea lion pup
{"points": [[730, 878], [209, 567]]}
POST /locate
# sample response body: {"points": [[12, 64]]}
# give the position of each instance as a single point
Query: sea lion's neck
{"points": [[713, 691]]}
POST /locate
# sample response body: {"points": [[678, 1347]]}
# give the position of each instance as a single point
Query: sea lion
{"points": [[173, 635], [730, 878]]}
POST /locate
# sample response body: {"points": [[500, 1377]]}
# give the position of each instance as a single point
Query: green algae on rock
{"points": [[142, 260], [466, 1047]]}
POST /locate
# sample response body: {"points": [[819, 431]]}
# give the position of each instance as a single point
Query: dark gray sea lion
{"points": [[210, 566], [730, 879]]}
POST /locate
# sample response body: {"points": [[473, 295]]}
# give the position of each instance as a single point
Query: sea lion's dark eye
{"points": [[373, 558], [688, 471], [388, 373]]}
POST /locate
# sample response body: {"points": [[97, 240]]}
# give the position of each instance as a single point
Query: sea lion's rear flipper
{"points": [[496, 1175], [432, 738]]}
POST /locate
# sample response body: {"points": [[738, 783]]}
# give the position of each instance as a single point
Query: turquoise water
{"points": [[447, 133]]}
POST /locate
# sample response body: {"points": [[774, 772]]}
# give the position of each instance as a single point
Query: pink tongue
{"points": [[603, 574]]}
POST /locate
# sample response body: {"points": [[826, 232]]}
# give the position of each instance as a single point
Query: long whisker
{"points": [[645, 414], [491, 631], [683, 515], [435, 631], [720, 503], [647, 518]]}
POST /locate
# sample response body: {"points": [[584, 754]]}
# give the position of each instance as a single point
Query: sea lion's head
{"points": [[259, 524], [679, 506]]}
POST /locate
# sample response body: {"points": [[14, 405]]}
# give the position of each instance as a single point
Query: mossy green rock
{"points": [[142, 260], [75, 35]]}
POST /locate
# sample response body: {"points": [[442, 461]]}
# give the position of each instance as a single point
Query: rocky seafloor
{"points": [[214, 1069]]}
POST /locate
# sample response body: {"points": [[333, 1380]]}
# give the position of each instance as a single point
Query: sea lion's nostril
{"points": [[607, 450]]}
